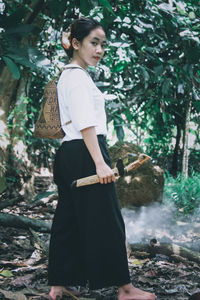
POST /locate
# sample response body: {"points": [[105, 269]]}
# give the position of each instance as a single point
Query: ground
{"points": [[23, 261], [24, 272]]}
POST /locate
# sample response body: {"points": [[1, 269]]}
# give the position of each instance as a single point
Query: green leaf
{"points": [[106, 4], [158, 70], [166, 86], [39, 59], [120, 66], [22, 60], [43, 195], [12, 67], [6, 273], [145, 74], [164, 117]]}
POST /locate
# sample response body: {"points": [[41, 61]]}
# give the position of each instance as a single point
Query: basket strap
{"points": [[67, 123], [65, 68]]}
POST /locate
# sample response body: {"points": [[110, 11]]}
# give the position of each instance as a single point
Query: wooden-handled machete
{"points": [[119, 170]]}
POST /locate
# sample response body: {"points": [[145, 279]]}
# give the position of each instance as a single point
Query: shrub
{"points": [[183, 192]]}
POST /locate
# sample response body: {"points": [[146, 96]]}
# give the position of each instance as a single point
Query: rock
{"points": [[43, 180], [42, 183], [144, 185]]}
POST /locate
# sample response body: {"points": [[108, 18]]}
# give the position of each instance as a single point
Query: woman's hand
{"points": [[104, 173]]}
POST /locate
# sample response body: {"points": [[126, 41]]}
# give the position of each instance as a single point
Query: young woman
{"points": [[88, 236]]}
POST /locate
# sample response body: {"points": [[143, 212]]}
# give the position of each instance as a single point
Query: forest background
{"points": [[150, 75]]}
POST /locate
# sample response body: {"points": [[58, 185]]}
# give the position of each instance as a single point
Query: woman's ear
{"points": [[75, 43]]}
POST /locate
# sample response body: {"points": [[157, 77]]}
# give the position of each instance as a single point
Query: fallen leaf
{"points": [[136, 262], [23, 280], [13, 263], [146, 280], [13, 296], [150, 273], [171, 291], [6, 273]]}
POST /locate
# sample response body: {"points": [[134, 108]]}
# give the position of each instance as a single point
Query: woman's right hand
{"points": [[104, 173]]}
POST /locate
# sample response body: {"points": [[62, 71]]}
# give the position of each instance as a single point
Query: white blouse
{"points": [[81, 102]]}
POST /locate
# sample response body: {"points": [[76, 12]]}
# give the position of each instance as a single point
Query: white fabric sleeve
{"points": [[81, 106]]}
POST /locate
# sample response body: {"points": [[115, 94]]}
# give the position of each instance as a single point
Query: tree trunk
{"points": [[24, 222], [10, 92], [20, 160], [174, 168], [7, 203], [171, 250], [185, 139], [7, 90]]}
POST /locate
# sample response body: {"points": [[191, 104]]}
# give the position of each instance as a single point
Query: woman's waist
{"points": [[77, 147], [72, 133], [100, 137]]}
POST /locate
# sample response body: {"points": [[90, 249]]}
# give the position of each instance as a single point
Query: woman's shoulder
{"points": [[74, 72], [74, 76]]}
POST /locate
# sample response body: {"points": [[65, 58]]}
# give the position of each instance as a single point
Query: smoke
{"points": [[157, 221]]}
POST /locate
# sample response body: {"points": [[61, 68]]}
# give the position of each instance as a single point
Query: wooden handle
{"points": [[95, 178], [90, 179], [136, 164], [87, 180]]}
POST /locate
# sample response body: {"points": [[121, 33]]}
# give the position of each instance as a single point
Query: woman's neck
{"points": [[79, 62]]}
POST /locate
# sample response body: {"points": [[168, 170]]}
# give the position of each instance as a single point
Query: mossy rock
{"points": [[142, 186]]}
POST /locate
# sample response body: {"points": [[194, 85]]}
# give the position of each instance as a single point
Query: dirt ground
{"points": [[23, 264]]}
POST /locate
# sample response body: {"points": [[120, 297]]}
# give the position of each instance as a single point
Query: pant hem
{"points": [[105, 284], [92, 286], [67, 283]]}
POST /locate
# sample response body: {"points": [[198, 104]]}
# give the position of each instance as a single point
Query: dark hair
{"points": [[80, 29]]}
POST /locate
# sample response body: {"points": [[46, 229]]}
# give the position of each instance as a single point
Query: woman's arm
{"points": [[104, 172]]}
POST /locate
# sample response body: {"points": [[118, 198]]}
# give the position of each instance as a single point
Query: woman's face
{"points": [[91, 49]]}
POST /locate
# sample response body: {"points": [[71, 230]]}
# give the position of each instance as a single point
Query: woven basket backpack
{"points": [[48, 124]]}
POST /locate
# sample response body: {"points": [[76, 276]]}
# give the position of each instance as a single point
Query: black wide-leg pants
{"points": [[87, 242]]}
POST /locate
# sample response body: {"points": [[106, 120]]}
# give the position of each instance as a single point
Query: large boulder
{"points": [[141, 186]]}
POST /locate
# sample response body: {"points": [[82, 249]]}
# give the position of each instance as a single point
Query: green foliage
{"points": [[15, 36], [12, 66], [151, 64], [194, 162], [183, 192], [153, 57]]}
